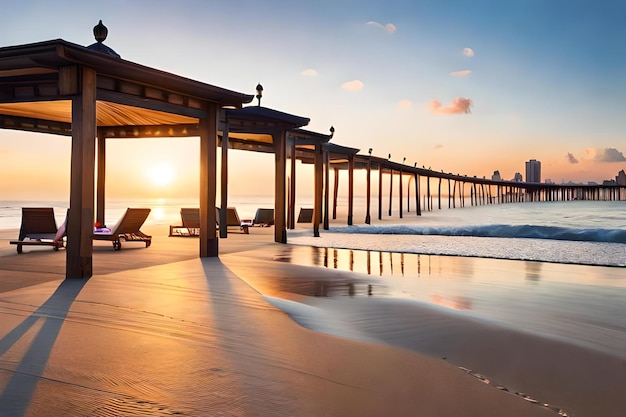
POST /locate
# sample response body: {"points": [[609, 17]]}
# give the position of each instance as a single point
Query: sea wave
{"points": [[498, 230]]}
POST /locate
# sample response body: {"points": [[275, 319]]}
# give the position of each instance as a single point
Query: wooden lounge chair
{"points": [[127, 228], [233, 220], [39, 227], [306, 215], [264, 217], [190, 223]]}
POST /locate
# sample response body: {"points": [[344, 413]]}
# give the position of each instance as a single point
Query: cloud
{"points": [[609, 155], [571, 158], [468, 52], [463, 73], [309, 73], [389, 27], [354, 85], [404, 104], [438, 146], [459, 105]]}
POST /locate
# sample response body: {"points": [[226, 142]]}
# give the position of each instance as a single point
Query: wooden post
{"points": [[291, 213], [439, 194], [79, 254], [400, 193], [318, 182], [408, 195], [448, 192], [428, 193], [100, 187], [454, 194], [280, 198], [335, 190], [209, 242], [326, 189], [368, 192], [380, 191], [224, 183], [390, 188], [418, 209], [350, 189]]}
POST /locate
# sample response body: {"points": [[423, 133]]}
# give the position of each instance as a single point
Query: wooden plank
{"points": [[68, 80], [100, 186], [224, 183], [318, 178], [81, 213], [150, 104], [209, 242], [280, 199]]}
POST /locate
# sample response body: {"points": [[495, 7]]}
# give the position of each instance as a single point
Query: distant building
{"points": [[496, 176], [533, 171], [621, 178], [609, 182], [549, 181], [518, 177]]}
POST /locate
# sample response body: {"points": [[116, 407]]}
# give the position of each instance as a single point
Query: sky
{"points": [[466, 87]]}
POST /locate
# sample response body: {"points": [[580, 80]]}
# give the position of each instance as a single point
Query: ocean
{"points": [[551, 268]]}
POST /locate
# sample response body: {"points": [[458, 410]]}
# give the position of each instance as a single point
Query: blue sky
{"points": [[544, 79]]}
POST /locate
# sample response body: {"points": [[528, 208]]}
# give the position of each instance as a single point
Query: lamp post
{"points": [[332, 131], [259, 93]]}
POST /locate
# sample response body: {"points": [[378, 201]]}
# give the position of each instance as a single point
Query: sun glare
{"points": [[161, 175]]}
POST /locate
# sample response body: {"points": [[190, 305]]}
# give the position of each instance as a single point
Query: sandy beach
{"points": [[158, 331]]}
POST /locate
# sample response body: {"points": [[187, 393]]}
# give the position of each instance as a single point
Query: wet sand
{"points": [[157, 331]]}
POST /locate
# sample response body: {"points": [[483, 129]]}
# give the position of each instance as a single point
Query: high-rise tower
{"points": [[533, 171]]}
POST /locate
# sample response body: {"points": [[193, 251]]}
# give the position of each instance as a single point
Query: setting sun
{"points": [[161, 175]]}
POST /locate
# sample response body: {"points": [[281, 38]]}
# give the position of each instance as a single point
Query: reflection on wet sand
{"points": [[388, 264], [533, 270]]}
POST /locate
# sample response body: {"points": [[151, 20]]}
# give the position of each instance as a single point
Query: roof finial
{"points": [[100, 32]]}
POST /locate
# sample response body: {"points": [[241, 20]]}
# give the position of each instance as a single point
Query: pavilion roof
{"points": [[37, 82]]}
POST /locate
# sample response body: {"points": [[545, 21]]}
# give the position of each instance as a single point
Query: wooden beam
{"points": [[400, 193], [368, 193], [418, 208], [291, 214], [350, 189], [318, 183], [335, 191], [326, 189], [209, 242], [150, 104], [280, 200], [380, 191], [68, 80], [100, 187], [35, 125], [79, 263], [224, 184], [390, 189]]}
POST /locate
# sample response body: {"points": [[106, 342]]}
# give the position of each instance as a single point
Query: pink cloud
{"points": [[404, 104], [459, 105], [389, 27], [354, 85], [463, 73]]}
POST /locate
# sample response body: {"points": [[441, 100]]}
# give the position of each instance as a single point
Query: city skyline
{"points": [[462, 87]]}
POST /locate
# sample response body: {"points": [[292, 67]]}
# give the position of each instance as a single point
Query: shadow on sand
{"points": [[18, 392]]}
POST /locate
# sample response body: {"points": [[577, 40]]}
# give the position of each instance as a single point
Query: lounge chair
{"points": [[264, 217], [191, 223], [233, 220], [39, 227], [127, 228], [306, 215]]}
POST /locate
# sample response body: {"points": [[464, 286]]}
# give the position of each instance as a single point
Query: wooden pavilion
{"points": [[91, 94]]}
